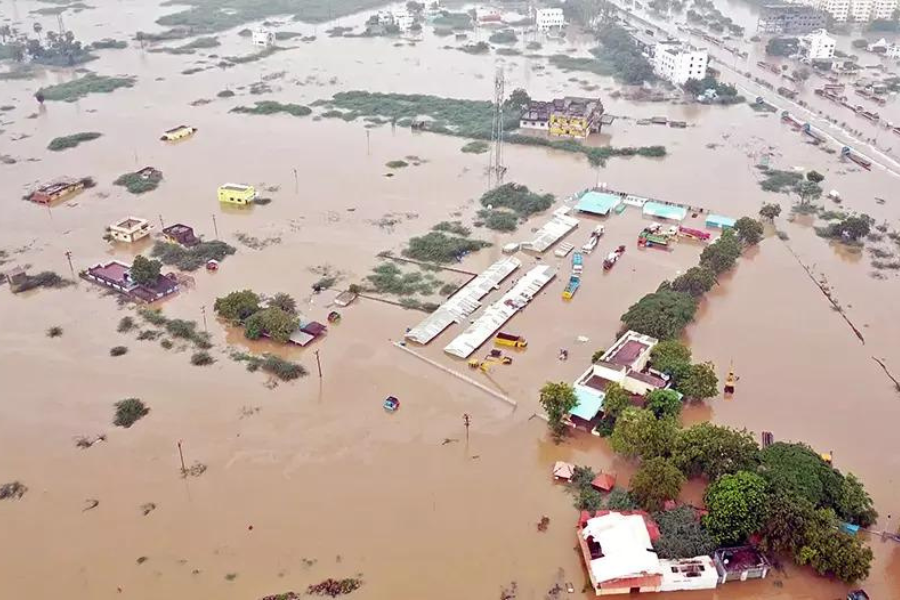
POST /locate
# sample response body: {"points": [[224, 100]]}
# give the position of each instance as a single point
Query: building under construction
{"points": [[790, 19], [569, 117]]}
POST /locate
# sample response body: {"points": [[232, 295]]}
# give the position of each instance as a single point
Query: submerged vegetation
{"points": [[438, 247], [191, 47], [388, 278], [271, 364], [137, 183], [270, 107], [71, 141], [45, 279], [191, 259], [463, 118], [129, 412], [476, 147], [77, 89]]}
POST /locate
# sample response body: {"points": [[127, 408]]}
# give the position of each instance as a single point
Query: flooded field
{"points": [[312, 479]]}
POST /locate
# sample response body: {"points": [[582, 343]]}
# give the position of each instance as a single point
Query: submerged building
{"points": [[116, 276], [617, 548], [571, 117], [790, 19], [129, 230]]}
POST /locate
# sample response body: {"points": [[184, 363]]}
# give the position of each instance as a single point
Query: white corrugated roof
{"points": [[552, 231], [464, 302], [627, 549], [500, 311]]}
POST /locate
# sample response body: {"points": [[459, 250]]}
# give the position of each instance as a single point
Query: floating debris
{"points": [[195, 470], [90, 504], [147, 508], [12, 491]]}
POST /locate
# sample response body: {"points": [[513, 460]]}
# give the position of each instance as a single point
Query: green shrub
{"points": [[76, 89], [70, 141], [498, 220], [118, 351], [129, 412], [54, 331], [438, 247], [191, 259], [202, 358], [138, 184], [270, 107], [126, 324]]}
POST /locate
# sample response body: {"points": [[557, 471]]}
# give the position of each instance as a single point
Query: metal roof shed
{"points": [[598, 203], [665, 211], [588, 404], [719, 222]]}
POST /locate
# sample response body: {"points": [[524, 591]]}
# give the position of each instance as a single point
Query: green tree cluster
{"points": [[712, 451], [558, 399], [749, 231], [638, 433], [273, 322], [696, 281], [737, 507], [656, 481], [721, 255], [236, 307], [681, 534], [145, 271], [662, 314], [770, 211]]}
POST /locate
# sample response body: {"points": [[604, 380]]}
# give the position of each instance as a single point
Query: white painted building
{"points": [[677, 62], [402, 19], [263, 37], [893, 51], [130, 230], [546, 19], [817, 45], [860, 11]]}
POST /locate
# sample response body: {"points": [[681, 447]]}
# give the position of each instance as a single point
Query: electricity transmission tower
{"points": [[497, 168]]}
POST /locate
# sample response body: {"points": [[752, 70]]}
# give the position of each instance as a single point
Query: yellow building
{"points": [[237, 193], [177, 133], [564, 125]]}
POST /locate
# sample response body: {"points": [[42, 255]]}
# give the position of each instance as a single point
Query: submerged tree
{"points": [[558, 399], [656, 481], [145, 271]]}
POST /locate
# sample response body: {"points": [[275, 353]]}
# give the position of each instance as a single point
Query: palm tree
{"points": [[38, 28]]}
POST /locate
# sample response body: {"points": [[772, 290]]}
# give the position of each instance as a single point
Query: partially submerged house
{"points": [[598, 203], [624, 363], [59, 190], [149, 173], [16, 277], [237, 193], [263, 37], [177, 133], [740, 564], [180, 234], [129, 230], [617, 547], [571, 117], [116, 276], [307, 332]]}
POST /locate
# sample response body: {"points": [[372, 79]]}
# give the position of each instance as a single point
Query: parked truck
{"points": [[571, 287], [508, 339]]}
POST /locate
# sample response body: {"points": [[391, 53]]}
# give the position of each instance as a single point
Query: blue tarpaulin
{"points": [[665, 211], [598, 203], [589, 403]]}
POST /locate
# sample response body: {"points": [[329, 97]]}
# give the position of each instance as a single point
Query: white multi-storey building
{"points": [[678, 62], [549, 18], [817, 46], [860, 11]]}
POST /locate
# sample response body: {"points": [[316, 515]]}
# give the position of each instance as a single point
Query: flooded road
{"points": [[312, 479]]}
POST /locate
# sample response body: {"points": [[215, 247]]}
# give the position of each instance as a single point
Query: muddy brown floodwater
{"points": [[312, 479]]}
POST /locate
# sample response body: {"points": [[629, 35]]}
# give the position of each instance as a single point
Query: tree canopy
{"points": [[671, 357], [681, 534], [749, 231], [283, 301], [700, 382], [656, 481], [662, 315], [145, 271], [664, 403], [615, 400], [696, 281], [737, 507], [721, 255], [713, 451], [557, 399], [273, 322], [237, 306], [639, 433], [770, 210]]}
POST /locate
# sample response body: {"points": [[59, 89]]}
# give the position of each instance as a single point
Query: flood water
{"points": [[312, 479]]}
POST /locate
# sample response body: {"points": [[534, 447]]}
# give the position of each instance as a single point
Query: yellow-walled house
{"points": [[237, 193], [177, 133]]}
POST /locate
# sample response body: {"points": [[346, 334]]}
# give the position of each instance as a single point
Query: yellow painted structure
{"points": [[237, 193], [569, 126], [177, 133]]}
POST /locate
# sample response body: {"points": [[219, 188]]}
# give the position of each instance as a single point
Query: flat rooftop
{"points": [[236, 187], [114, 271], [131, 223], [627, 353]]}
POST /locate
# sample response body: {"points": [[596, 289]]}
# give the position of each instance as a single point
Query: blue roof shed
{"points": [[719, 222], [598, 203], [665, 211], [589, 403]]}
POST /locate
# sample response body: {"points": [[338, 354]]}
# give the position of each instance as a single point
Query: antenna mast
{"points": [[497, 169]]}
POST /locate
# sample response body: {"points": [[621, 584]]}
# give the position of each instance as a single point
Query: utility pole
{"points": [[203, 312], [296, 183], [181, 454], [69, 258], [467, 420], [215, 227], [367, 143], [319, 364], [162, 225]]}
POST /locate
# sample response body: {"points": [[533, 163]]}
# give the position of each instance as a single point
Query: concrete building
{"points": [[116, 276], [859, 11], [817, 46], [177, 133], [129, 230], [892, 51], [180, 234], [740, 564], [617, 548], [403, 19], [546, 19], [677, 62], [564, 117], [790, 19], [237, 193], [54, 192], [263, 37]]}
